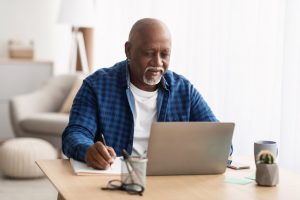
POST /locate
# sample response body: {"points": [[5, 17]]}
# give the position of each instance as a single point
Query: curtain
{"points": [[290, 107], [242, 55]]}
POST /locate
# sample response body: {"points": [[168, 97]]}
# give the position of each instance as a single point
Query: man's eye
{"points": [[148, 53], [165, 55]]}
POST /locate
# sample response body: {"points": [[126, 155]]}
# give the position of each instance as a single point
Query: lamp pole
{"points": [[78, 44]]}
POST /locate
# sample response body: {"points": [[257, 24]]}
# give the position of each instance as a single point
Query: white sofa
{"points": [[37, 114]]}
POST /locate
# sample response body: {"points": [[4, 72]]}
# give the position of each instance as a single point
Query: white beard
{"points": [[155, 80]]}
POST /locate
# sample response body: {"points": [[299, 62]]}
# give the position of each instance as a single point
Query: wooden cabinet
{"points": [[19, 77]]}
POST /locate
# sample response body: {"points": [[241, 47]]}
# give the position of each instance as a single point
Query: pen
{"points": [[103, 141], [127, 160]]}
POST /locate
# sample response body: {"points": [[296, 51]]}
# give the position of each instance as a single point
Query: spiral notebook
{"points": [[81, 168]]}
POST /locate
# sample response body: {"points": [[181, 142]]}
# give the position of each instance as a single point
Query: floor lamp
{"points": [[77, 43], [77, 14]]}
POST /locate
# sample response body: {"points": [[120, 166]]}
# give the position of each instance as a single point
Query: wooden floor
{"points": [[25, 189]]}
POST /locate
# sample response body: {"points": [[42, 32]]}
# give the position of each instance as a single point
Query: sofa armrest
{"points": [[48, 98]]}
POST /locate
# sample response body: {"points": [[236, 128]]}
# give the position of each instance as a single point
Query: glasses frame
{"points": [[131, 188]]}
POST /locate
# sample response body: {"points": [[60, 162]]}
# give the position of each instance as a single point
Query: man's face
{"points": [[149, 55]]}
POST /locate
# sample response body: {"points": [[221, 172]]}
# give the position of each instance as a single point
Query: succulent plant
{"points": [[265, 157]]}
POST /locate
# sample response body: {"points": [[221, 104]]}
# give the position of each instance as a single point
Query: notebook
{"points": [[189, 148], [81, 168]]}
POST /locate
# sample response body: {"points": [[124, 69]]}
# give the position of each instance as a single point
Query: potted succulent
{"points": [[266, 169]]}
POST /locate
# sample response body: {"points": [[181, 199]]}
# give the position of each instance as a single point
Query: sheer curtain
{"points": [[290, 107], [242, 55]]}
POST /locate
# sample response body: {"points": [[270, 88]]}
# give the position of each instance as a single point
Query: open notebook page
{"points": [[81, 168]]}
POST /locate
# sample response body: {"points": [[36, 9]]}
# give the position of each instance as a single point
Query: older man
{"points": [[122, 101]]}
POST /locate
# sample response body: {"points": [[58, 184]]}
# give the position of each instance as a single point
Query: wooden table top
{"points": [[71, 186]]}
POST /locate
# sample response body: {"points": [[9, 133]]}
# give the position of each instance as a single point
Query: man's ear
{"points": [[127, 50]]}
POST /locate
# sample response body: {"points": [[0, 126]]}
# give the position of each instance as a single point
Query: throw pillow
{"points": [[66, 107]]}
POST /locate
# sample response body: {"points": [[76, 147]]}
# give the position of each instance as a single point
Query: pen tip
{"points": [[125, 154]]}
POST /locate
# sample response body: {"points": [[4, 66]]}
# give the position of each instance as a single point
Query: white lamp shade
{"points": [[77, 13]]}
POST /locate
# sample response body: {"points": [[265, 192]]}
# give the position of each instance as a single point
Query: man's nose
{"points": [[158, 61]]}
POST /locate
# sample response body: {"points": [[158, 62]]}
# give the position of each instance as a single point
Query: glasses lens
{"points": [[114, 184], [133, 188]]}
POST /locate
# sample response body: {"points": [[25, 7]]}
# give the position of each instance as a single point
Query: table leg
{"points": [[60, 197]]}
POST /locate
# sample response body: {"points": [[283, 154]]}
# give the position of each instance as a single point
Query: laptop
{"points": [[188, 148]]}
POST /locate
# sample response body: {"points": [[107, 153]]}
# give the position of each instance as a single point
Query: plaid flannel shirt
{"points": [[105, 105]]}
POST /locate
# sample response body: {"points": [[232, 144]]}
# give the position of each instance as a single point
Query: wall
{"points": [[36, 20]]}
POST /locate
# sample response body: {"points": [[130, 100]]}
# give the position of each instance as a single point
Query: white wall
{"points": [[230, 50], [36, 20]]}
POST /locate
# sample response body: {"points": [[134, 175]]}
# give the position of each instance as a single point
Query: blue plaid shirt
{"points": [[105, 104]]}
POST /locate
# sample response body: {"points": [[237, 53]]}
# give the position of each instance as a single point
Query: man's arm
{"points": [[80, 133], [78, 137], [200, 111]]}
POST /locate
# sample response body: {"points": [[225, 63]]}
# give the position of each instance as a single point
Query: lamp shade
{"points": [[77, 13]]}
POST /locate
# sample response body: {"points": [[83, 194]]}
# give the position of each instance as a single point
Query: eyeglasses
{"points": [[132, 188]]}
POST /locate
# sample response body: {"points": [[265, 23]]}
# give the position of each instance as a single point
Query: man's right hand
{"points": [[100, 156]]}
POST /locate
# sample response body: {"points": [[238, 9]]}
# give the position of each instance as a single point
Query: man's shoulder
{"points": [[173, 79], [109, 71], [112, 73]]}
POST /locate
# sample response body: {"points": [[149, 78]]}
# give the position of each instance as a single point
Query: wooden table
{"points": [[197, 187]]}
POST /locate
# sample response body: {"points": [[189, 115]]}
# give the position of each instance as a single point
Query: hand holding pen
{"points": [[99, 155]]}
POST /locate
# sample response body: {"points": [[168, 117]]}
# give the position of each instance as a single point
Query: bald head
{"points": [[148, 52], [146, 26]]}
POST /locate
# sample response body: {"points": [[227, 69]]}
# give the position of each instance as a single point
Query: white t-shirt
{"points": [[145, 114]]}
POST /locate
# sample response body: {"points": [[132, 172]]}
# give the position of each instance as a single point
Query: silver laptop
{"points": [[189, 148]]}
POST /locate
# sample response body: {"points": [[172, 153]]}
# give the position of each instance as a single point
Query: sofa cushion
{"points": [[47, 123], [66, 106]]}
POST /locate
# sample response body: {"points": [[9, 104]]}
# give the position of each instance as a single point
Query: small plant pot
{"points": [[267, 174]]}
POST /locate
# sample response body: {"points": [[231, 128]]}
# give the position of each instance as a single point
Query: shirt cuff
{"points": [[81, 151]]}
